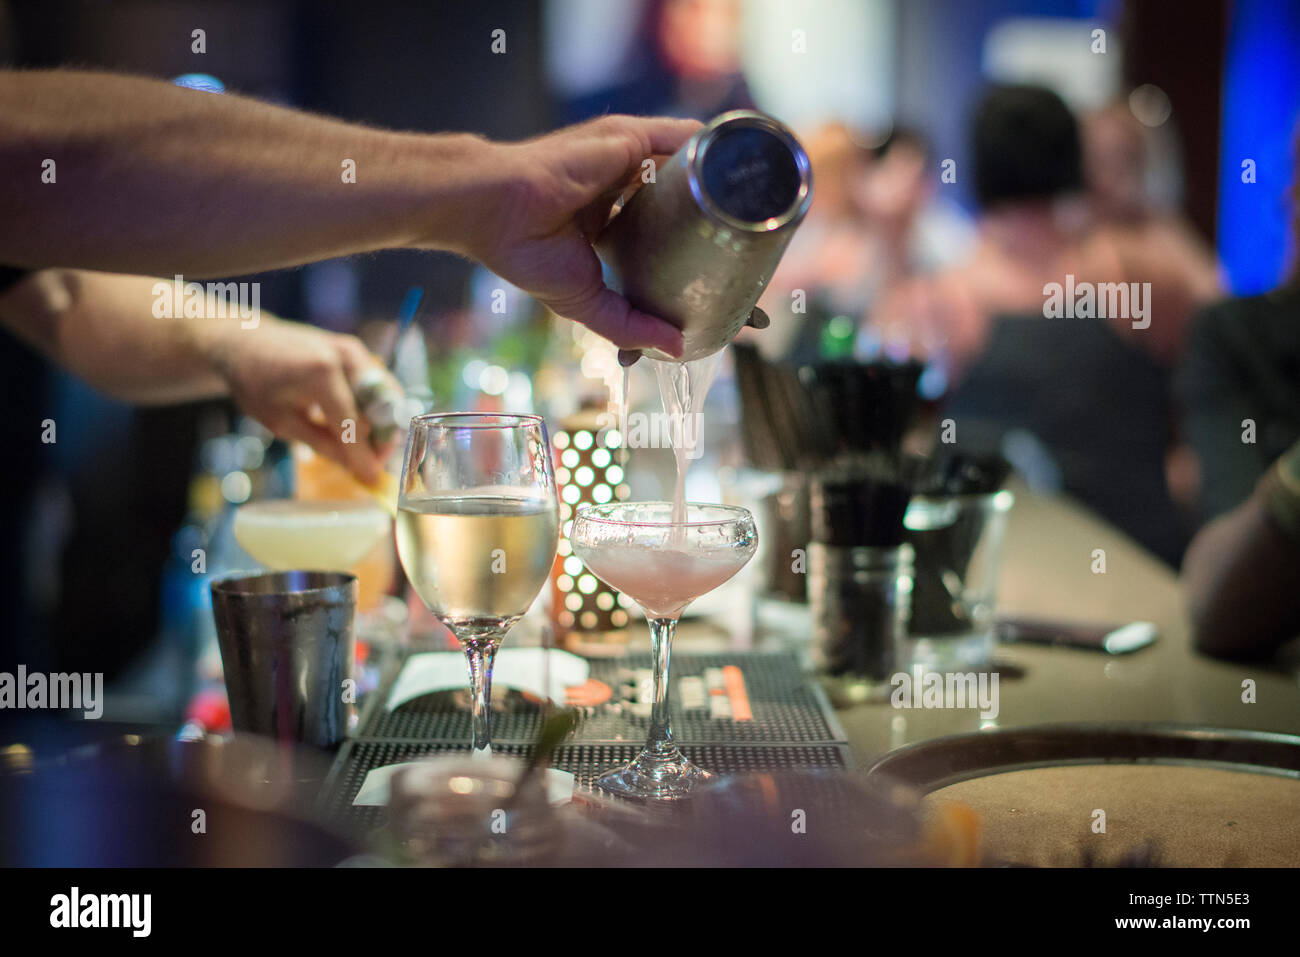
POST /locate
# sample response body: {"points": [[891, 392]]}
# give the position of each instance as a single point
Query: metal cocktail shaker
{"points": [[698, 245], [288, 641]]}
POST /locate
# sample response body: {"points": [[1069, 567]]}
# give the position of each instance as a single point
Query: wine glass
{"points": [[477, 527], [664, 563]]}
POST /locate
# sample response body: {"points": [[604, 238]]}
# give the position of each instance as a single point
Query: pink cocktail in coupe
{"points": [[663, 565]]}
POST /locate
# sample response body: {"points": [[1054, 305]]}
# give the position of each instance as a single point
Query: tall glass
{"points": [[958, 544], [664, 565], [477, 527]]}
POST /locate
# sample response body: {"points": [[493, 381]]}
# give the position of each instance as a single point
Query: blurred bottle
{"points": [[233, 465]]}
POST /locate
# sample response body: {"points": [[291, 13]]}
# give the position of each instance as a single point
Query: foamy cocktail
{"points": [[663, 565]]}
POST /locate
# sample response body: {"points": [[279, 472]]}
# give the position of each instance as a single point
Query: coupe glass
{"points": [[290, 534], [664, 565], [477, 526]]}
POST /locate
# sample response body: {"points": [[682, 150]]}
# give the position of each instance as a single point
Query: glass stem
{"points": [[660, 738], [481, 651]]}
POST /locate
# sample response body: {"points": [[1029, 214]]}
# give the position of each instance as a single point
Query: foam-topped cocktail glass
{"points": [[662, 565], [292, 535]]}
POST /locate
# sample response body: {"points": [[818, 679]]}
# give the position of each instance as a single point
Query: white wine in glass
{"points": [[477, 527], [477, 558]]}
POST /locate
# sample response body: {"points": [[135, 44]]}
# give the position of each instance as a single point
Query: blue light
{"points": [[1261, 101], [200, 81]]}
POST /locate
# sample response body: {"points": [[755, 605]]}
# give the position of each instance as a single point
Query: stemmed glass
{"points": [[664, 565], [477, 527]]}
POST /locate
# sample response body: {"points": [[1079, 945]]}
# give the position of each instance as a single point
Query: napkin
{"points": [[374, 789], [523, 669]]}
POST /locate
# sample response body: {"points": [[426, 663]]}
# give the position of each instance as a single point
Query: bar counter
{"points": [[1046, 573]]}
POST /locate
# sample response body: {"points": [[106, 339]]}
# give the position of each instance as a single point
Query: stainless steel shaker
{"points": [[698, 246], [288, 640]]}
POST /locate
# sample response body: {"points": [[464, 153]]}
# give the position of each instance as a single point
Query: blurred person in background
{"points": [[827, 259], [1239, 390], [916, 233], [874, 222], [1159, 244], [1074, 403], [686, 63]]}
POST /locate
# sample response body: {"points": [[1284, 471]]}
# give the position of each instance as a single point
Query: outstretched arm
{"points": [[156, 179], [296, 380], [151, 178]]}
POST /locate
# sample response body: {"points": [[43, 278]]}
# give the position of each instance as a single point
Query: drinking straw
{"points": [[862, 501]]}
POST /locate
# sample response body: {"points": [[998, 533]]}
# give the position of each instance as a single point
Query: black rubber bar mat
{"points": [[584, 761], [786, 707]]}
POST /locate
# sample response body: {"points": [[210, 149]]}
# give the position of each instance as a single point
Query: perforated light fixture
{"points": [[588, 472]]}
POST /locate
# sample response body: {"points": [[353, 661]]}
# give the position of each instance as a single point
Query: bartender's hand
{"points": [[561, 189], [758, 319], [298, 381], [170, 181]]}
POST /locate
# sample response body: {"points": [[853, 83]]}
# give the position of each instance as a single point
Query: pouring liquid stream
{"points": [[683, 387], [622, 419]]}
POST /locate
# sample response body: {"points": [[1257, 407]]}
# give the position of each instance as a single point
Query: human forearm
{"points": [[296, 380], [1240, 574], [101, 328], [152, 178]]}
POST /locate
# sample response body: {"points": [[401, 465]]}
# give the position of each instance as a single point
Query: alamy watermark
{"points": [[35, 690], [1103, 300], [658, 430], [74, 909], [208, 300], [950, 690], [664, 430]]}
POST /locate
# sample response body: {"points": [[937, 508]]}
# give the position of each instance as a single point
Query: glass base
{"points": [[655, 776], [964, 651], [847, 690]]}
